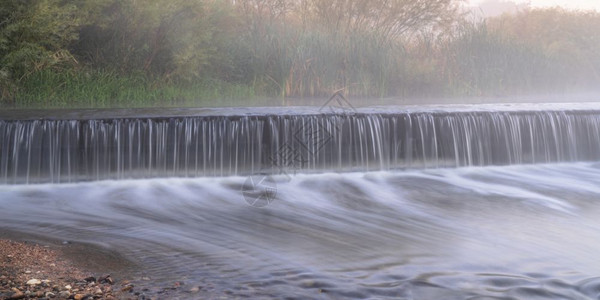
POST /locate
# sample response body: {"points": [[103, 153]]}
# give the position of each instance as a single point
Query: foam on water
{"points": [[526, 232], [440, 202]]}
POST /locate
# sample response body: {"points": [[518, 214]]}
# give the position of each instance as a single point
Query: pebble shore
{"points": [[33, 271]]}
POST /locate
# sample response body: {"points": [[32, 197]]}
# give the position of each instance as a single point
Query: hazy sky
{"points": [[570, 4]]}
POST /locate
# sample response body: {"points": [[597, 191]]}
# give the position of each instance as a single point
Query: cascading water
{"points": [[196, 146], [516, 220]]}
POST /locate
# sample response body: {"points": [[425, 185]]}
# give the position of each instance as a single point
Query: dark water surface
{"points": [[512, 232]]}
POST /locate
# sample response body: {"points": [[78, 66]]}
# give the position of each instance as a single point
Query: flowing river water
{"points": [[443, 203]]}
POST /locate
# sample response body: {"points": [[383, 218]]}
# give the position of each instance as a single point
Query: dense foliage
{"points": [[102, 52]]}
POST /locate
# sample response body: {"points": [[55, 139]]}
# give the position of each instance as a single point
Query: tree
{"points": [[390, 19], [163, 38], [34, 35], [569, 41]]}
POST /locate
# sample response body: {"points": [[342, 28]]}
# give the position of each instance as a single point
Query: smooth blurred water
{"points": [[78, 145], [510, 232]]}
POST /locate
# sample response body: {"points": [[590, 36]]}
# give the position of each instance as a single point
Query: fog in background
{"points": [[207, 53], [496, 7]]}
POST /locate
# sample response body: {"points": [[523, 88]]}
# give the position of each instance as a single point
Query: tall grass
{"points": [[108, 89], [483, 60], [291, 61], [281, 56]]}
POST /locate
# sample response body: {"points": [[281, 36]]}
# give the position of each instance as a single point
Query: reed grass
{"points": [[314, 63], [284, 58], [108, 89]]}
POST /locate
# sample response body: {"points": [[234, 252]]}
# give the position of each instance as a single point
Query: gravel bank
{"points": [[47, 270]]}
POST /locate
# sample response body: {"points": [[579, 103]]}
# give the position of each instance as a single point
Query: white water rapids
{"points": [[509, 232]]}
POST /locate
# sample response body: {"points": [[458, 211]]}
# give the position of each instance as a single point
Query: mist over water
{"points": [[440, 202], [523, 232], [401, 193]]}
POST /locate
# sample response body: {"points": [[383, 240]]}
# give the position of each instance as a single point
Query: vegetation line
{"points": [[104, 53]]}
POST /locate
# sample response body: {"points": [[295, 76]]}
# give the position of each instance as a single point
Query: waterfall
{"points": [[69, 150]]}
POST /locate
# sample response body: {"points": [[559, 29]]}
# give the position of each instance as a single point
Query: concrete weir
{"points": [[98, 145]]}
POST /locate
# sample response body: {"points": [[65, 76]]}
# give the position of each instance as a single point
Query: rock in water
{"points": [[106, 279], [90, 279]]}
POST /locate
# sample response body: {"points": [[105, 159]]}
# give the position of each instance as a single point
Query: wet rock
{"points": [[81, 283], [78, 296], [90, 279], [106, 279], [64, 294], [195, 289], [18, 295], [83, 297], [127, 288]]}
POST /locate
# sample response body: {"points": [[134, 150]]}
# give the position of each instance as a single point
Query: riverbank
{"points": [[33, 267], [36, 270]]}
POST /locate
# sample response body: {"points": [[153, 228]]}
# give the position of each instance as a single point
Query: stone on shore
{"points": [[34, 282]]}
